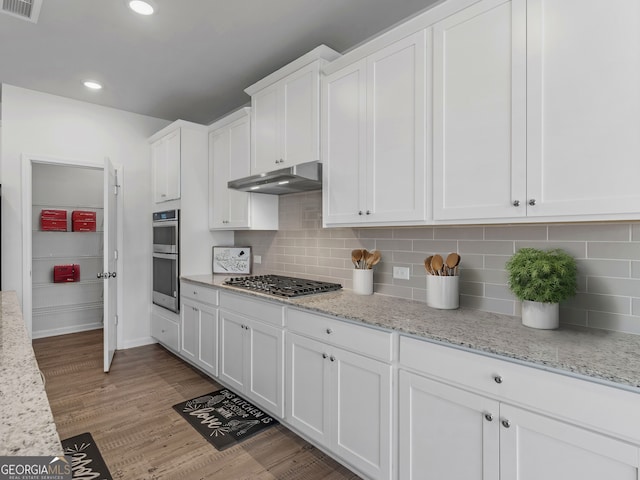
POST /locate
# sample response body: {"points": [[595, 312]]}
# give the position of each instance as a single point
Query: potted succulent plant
{"points": [[541, 279]]}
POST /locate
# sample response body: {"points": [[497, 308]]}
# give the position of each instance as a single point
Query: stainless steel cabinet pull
{"points": [[324, 355], [516, 203], [360, 212], [497, 379], [532, 202], [332, 358], [506, 423], [489, 417], [368, 212], [329, 331]]}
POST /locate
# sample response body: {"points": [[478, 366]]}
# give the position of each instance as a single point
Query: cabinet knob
{"points": [[329, 331], [324, 355], [506, 423], [163, 195], [497, 379], [368, 212], [489, 417], [532, 202], [332, 358], [360, 212], [163, 331], [195, 293], [516, 203]]}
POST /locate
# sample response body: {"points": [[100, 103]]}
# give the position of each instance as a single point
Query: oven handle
{"points": [[166, 256]]}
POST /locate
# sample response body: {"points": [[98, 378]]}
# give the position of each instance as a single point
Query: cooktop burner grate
{"points": [[281, 286]]}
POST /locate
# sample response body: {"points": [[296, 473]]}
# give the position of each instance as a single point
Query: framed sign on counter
{"points": [[231, 259]]}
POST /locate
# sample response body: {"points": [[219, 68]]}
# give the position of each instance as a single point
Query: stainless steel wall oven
{"points": [[166, 259]]}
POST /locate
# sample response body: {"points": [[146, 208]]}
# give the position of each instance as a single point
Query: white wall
{"points": [[51, 126]]}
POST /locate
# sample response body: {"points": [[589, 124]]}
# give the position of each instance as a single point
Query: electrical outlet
{"points": [[257, 259], [401, 273]]}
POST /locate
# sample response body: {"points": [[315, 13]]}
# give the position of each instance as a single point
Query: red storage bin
{"points": [[84, 226], [83, 215], [66, 273], [53, 220]]}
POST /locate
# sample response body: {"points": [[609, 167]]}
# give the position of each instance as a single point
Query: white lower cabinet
{"points": [[342, 401], [252, 359], [200, 335], [464, 419], [165, 328]]}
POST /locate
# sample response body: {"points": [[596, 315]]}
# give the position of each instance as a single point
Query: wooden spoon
{"points": [[427, 264], [373, 259], [356, 256], [452, 261], [436, 264], [365, 258]]}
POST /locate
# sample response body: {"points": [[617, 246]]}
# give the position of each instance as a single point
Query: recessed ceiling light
{"points": [[93, 85], [143, 8]]}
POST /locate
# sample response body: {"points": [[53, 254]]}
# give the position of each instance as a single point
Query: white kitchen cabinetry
{"points": [[230, 159], [285, 110], [199, 326], [252, 350], [480, 112], [165, 327], [338, 397], [165, 158], [534, 117], [375, 136], [508, 421]]}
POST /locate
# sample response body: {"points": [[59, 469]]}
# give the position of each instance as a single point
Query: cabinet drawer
{"points": [[165, 331], [200, 293], [581, 401], [356, 338], [258, 309]]}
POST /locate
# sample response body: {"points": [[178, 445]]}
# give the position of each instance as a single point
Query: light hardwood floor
{"points": [[128, 412]]}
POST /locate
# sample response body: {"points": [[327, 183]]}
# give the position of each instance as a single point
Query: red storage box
{"points": [[47, 224], [54, 214], [84, 226], [66, 273], [83, 215]]}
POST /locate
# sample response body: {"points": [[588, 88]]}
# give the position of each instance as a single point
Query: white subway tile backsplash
{"points": [[608, 258]]}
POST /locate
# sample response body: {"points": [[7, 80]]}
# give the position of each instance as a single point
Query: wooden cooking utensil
{"points": [[427, 264], [373, 259], [365, 258], [356, 256], [436, 264], [453, 259]]}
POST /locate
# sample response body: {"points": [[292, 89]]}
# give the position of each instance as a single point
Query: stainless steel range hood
{"points": [[299, 178]]}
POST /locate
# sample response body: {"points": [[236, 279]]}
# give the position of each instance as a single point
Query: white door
{"points": [[479, 112], [110, 314], [446, 432], [535, 447], [266, 366], [361, 415]]}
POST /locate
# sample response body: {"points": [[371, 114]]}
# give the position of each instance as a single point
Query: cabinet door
{"points": [[266, 366], [396, 131], [239, 166], [583, 110], [300, 116], [308, 401], [190, 328], [158, 164], [219, 174], [344, 144], [208, 340], [232, 349], [361, 414], [446, 432], [479, 112], [535, 447], [173, 147], [265, 154]]}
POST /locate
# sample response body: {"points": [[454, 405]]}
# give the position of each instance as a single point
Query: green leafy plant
{"points": [[542, 276]]}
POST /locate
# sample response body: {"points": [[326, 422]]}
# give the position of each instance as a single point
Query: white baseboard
{"points": [[65, 330], [138, 342]]}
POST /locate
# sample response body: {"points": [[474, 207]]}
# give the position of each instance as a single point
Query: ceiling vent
{"points": [[25, 9]]}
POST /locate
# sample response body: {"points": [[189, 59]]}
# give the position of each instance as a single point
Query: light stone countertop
{"points": [[607, 357], [26, 421]]}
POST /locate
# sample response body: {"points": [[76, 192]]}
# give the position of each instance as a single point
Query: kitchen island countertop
{"points": [[26, 421], [604, 356]]}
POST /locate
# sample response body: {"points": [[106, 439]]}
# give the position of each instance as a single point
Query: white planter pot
{"points": [[540, 315]]}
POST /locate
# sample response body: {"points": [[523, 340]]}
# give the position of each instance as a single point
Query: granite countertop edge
{"points": [[603, 356]]}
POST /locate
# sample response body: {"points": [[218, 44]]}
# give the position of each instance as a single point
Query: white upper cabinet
{"points": [[285, 113], [583, 109], [229, 159], [165, 158], [535, 116], [375, 136], [479, 112]]}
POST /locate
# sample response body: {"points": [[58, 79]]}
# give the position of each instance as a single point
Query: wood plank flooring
{"points": [[128, 412]]}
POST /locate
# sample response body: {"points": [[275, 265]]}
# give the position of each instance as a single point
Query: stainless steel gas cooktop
{"points": [[281, 286]]}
